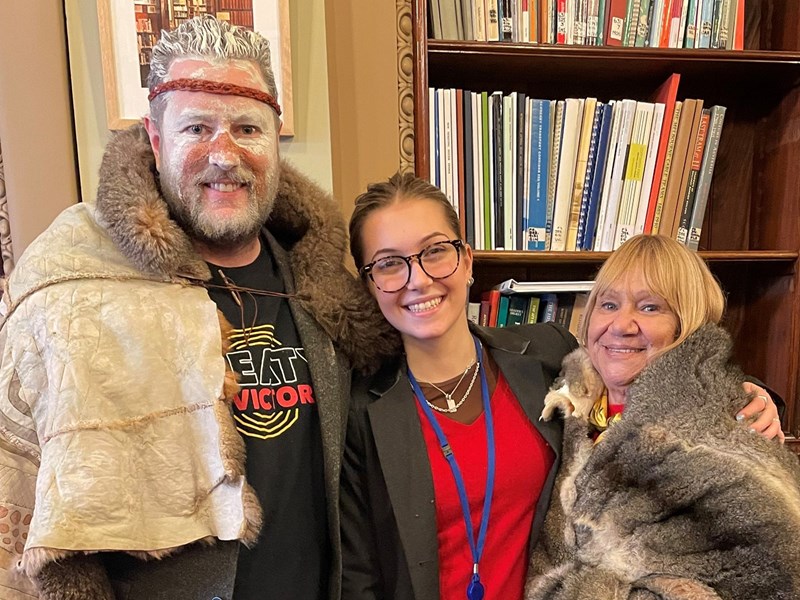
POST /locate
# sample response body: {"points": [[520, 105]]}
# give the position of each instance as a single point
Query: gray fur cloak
{"points": [[678, 501]]}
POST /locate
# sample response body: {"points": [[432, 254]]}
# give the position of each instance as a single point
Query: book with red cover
{"points": [[738, 35], [667, 94], [493, 298], [615, 21]]}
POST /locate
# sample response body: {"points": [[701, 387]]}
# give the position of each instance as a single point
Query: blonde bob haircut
{"points": [[672, 272]]}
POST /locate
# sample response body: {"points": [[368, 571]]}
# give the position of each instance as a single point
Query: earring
{"points": [[471, 281]]}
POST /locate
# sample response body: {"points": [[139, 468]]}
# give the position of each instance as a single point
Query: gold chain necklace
{"points": [[452, 405]]}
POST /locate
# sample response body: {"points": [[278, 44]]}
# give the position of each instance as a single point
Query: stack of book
{"points": [[520, 303], [633, 23], [574, 174]]}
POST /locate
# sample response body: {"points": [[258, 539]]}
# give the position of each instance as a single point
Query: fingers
{"points": [[766, 421]]}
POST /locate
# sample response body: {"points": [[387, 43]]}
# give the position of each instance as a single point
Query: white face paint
{"points": [[218, 154]]}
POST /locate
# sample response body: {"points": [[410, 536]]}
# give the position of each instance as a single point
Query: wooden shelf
{"points": [[522, 258], [716, 75]]}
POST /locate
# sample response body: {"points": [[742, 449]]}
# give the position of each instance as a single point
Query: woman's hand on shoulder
{"points": [[766, 421]]}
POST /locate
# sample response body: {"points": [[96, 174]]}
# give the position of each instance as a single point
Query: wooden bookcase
{"points": [[751, 235]]}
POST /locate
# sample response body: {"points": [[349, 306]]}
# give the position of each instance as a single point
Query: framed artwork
{"points": [[130, 28]]}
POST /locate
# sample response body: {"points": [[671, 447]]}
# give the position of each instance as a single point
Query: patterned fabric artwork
{"points": [[6, 255]]}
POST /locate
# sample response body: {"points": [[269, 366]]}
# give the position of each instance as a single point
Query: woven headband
{"points": [[214, 87]]}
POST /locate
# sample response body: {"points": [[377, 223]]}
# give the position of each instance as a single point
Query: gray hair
{"points": [[206, 37]]}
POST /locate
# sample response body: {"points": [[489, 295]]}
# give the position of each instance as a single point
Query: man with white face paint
{"points": [[205, 261]]}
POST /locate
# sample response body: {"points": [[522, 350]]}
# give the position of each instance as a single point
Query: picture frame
{"points": [[128, 28]]}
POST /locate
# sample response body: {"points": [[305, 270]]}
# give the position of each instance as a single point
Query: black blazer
{"points": [[389, 540]]}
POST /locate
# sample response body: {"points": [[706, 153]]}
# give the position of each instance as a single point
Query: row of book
{"points": [[575, 174], [635, 23], [504, 310]]}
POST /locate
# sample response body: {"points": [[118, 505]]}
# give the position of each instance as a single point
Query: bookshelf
{"points": [[751, 235]]}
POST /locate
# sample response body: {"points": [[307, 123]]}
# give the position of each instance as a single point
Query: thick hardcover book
{"points": [[662, 185], [687, 168], [643, 24], [561, 21], [493, 298], [450, 19], [532, 314], [492, 24], [548, 308], [558, 126], [517, 308], [680, 154], [573, 113], [706, 172], [666, 21], [591, 163], [598, 172], [564, 309], [588, 121], [694, 171], [540, 173], [615, 22], [665, 94], [502, 311]]}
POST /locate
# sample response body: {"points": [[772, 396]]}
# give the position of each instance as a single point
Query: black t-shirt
{"points": [[275, 412]]}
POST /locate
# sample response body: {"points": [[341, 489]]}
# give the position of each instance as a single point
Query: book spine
{"points": [[620, 159], [487, 172], [597, 178], [606, 187], [706, 23], [498, 203], [691, 24], [691, 185], [467, 185], [537, 211], [561, 21], [704, 179], [492, 24], [522, 145], [643, 24], [587, 183], [662, 187], [566, 173], [555, 146], [653, 146], [479, 17]]}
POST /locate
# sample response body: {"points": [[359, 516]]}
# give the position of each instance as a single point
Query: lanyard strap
{"points": [[475, 589]]}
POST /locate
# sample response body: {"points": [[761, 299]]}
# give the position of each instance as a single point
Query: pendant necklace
{"points": [[475, 589], [452, 405]]}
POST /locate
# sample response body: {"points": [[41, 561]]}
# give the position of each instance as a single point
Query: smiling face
{"points": [[627, 328], [217, 155], [426, 309]]}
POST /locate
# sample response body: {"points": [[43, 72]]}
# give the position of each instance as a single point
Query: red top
{"points": [[523, 460]]}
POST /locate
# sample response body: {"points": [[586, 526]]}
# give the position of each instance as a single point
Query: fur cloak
{"points": [[677, 501]]}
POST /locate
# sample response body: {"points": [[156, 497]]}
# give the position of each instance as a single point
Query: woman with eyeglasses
{"points": [[448, 470]]}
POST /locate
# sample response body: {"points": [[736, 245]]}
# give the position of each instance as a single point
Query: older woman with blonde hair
{"points": [[661, 493]]}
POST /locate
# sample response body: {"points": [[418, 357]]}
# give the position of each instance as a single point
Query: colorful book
{"points": [[694, 172], [598, 172], [573, 114], [666, 94], [706, 172], [540, 172]]}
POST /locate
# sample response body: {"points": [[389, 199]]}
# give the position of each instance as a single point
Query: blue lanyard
{"points": [[475, 589]]}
